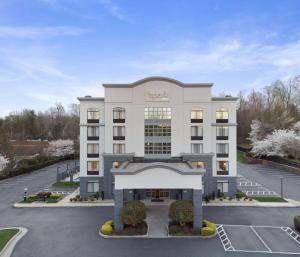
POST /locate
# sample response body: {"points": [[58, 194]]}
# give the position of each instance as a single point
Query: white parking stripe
{"points": [[259, 237]]}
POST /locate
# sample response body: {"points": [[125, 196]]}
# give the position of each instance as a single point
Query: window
{"points": [[222, 150], [222, 186], [196, 133], [93, 186], [93, 115], [119, 132], [119, 148], [222, 133], [196, 116], [93, 168], [222, 115], [116, 164], [157, 113], [162, 130], [92, 150], [92, 133], [119, 115], [198, 164], [157, 148], [197, 148], [222, 168]]}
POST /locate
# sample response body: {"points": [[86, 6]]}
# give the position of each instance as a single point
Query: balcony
{"points": [[92, 138], [93, 121], [92, 172], [221, 120], [118, 120], [222, 137], [222, 172], [222, 155], [196, 137], [118, 137], [93, 155], [196, 120]]}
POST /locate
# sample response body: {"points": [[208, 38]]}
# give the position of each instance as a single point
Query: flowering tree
{"points": [[60, 147], [281, 142], [3, 162]]}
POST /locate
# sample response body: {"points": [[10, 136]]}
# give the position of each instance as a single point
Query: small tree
{"points": [[60, 147], [133, 213], [181, 211]]}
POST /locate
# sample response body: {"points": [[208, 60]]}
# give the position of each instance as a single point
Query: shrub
{"points": [[207, 231], [181, 211], [109, 222], [239, 194], [43, 195], [55, 196], [297, 222], [106, 229], [133, 213]]}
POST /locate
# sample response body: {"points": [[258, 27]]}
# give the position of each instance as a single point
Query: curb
{"points": [[9, 247], [191, 237], [66, 205]]}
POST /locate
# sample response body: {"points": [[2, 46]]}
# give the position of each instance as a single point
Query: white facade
{"points": [[159, 92]]}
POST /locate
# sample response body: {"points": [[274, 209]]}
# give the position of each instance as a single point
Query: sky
{"points": [[56, 50]]}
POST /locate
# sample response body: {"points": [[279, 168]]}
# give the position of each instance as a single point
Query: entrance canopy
{"points": [[158, 175]]}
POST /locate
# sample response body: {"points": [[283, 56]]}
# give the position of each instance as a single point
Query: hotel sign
{"points": [[157, 95]]}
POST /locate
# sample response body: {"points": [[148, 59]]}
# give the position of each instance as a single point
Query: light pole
{"points": [[25, 194], [281, 187]]}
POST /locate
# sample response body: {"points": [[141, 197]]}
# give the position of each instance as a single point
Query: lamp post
{"points": [[281, 187], [25, 194]]}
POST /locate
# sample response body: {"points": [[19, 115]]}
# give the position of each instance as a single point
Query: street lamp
{"points": [[281, 187], [25, 194]]}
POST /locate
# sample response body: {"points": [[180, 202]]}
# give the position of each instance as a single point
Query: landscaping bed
{"points": [[44, 197], [176, 229], [6, 235], [66, 184]]}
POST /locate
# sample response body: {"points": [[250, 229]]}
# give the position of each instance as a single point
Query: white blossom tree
{"points": [[3, 162], [60, 148]]}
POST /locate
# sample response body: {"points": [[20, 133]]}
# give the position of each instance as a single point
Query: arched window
{"points": [[222, 115], [196, 115], [119, 115], [93, 115]]}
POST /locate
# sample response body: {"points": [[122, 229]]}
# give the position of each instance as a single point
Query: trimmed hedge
{"points": [[297, 223], [208, 229], [133, 213], [181, 211], [107, 228]]}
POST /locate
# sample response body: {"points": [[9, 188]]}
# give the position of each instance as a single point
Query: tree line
{"points": [[275, 107], [52, 124]]}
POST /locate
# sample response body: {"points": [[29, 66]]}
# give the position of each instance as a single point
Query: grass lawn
{"points": [[241, 157], [270, 199], [66, 184], [6, 235]]}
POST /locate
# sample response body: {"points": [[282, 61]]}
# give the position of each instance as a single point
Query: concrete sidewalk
{"points": [[157, 220]]}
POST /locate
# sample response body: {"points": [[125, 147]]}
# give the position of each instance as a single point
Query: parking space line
{"points": [[292, 234], [224, 239], [259, 237]]}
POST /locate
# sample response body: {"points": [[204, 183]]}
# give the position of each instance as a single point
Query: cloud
{"points": [[27, 32], [113, 9], [223, 56]]}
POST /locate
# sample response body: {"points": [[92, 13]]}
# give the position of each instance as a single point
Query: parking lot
{"points": [[252, 188], [259, 239]]}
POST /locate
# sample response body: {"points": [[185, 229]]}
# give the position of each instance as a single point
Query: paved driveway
{"points": [[269, 178], [157, 220]]}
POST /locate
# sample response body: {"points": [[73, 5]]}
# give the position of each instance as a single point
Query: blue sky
{"points": [[55, 50]]}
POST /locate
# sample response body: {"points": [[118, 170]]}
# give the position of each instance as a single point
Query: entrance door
{"points": [[158, 193]]}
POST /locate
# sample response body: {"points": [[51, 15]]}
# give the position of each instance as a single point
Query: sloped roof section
{"points": [[157, 78]]}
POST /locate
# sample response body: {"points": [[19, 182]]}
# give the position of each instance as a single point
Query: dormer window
{"points": [[119, 115], [222, 115], [196, 116], [93, 115]]}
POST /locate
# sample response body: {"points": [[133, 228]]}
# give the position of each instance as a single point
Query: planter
{"points": [[125, 236]]}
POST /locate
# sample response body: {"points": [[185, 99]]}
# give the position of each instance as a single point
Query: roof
{"points": [[89, 98], [157, 78], [131, 168], [224, 98]]}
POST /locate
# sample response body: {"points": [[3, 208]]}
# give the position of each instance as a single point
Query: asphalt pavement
{"points": [[74, 231]]}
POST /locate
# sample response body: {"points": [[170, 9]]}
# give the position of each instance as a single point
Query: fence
{"points": [[68, 172]]}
